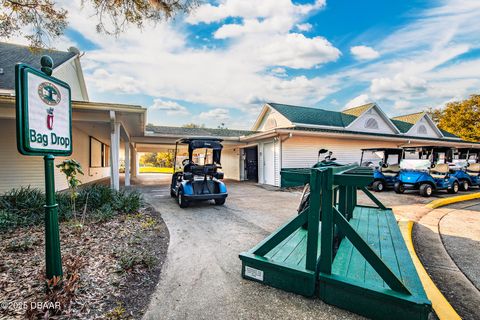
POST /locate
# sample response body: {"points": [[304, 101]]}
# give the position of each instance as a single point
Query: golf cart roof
{"points": [[199, 143], [188, 140], [430, 148], [389, 150], [471, 150]]}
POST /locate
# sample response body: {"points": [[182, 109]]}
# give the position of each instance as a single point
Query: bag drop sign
{"points": [[45, 114]]}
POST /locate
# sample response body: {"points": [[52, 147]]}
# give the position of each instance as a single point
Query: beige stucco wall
{"points": [[302, 152], [17, 170]]}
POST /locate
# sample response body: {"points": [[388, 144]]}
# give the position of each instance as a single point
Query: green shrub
{"points": [[21, 207], [21, 245], [102, 214], [128, 260], [24, 206]]}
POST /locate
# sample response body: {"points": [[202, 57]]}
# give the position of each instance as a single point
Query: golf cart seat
{"points": [[473, 169], [391, 170], [440, 171]]}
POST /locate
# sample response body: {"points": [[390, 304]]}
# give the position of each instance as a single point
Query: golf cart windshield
{"points": [[381, 156], [415, 164], [200, 151]]}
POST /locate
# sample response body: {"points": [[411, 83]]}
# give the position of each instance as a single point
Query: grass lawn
{"points": [[155, 170]]}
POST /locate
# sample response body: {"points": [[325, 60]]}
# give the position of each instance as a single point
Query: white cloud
{"points": [[402, 84], [364, 53], [106, 81], [358, 101], [217, 114], [294, 50], [249, 9], [279, 71], [169, 107], [158, 61], [305, 27]]}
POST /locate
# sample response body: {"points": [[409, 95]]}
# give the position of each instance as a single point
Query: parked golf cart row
{"points": [[427, 169]]}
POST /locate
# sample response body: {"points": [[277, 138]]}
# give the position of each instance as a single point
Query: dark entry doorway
{"points": [[251, 163]]}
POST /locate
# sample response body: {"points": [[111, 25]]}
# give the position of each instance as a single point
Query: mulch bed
{"points": [[110, 269]]}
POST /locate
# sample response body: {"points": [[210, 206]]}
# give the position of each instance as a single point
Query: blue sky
{"points": [[220, 63]]}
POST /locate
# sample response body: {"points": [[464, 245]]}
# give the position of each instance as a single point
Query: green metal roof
{"points": [[197, 132], [402, 125], [313, 116], [316, 116]]}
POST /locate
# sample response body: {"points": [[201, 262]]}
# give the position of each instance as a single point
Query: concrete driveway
{"points": [[201, 277]]}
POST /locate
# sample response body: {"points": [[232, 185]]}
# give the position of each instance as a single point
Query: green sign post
{"points": [[44, 128]]}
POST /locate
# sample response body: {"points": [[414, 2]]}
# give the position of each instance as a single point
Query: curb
{"points": [[442, 307], [446, 201]]}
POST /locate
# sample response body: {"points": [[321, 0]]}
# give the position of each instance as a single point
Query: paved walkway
{"points": [[201, 278], [447, 241]]}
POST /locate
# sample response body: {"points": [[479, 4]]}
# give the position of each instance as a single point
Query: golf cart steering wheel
{"points": [[185, 162], [383, 164]]}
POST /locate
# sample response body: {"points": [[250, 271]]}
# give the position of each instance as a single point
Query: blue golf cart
{"points": [[199, 180], [466, 167], [428, 173], [386, 170]]}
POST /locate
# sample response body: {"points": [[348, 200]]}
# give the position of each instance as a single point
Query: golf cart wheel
{"points": [[172, 193], [182, 202], [378, 186], [220, 202], [426, 190], [464, 185], [455, 187], [399, 187]]}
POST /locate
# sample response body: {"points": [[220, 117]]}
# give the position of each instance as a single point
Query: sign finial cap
{"points": [[47, 65]]}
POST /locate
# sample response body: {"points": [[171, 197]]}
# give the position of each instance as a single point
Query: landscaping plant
{"points": [[71, 168]]}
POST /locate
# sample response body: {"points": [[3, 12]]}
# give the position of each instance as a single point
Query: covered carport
{"points": [[163, 139]]}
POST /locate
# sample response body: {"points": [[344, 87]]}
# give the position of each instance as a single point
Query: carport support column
{"points": [[133, 165], [114, 152], [127, 163]]}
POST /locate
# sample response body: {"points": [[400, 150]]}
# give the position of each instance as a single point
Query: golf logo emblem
{"points": [[49, 93], [50, 118]]}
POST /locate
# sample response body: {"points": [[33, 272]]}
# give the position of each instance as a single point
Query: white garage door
{"points": [[269, 163]]}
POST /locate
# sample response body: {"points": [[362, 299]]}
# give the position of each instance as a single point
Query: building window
{"points": [[99, 154], [422, 129], [371, 124]]}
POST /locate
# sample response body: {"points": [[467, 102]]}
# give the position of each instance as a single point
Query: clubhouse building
{"points": [[109, 135]]}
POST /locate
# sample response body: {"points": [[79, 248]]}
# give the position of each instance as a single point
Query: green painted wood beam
{"points": [[281, 234], [373, 198], [313, 219], [372, 258], [326, 255]]}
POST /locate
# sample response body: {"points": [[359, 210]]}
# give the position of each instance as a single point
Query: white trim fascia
{"points": [[373, 137], [81, 79], [298, 124], [382, 114], [265, 108]]}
